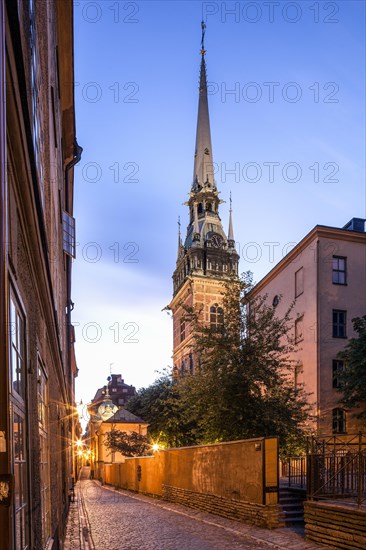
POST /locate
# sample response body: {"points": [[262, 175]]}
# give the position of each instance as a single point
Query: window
{"points": [[339, 323], [299, 330], [216, 317], [69, 234], [17, 374], [182, 330], [35, 85], [299, 282], [298, 371], [339, 421], [190, 363], [44, 464], [337, 369], [339, 273], [20, 483], [17, 344]]}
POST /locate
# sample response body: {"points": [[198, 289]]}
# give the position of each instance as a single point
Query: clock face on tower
{"points": [[217, 241]]}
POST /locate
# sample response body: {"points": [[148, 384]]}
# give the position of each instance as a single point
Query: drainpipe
{"points": [[69, 307], [69, 304], [318, 343]]}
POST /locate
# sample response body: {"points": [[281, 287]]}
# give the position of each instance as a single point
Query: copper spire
{"points": [[203, 163]]}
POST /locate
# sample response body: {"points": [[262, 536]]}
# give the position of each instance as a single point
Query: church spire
{"points": [[230, 237], [203, 162]]}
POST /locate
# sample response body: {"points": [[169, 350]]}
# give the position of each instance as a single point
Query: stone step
{"points": [[292, 506], [292, 503], [290, 500]]}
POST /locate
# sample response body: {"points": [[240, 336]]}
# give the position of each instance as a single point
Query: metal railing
{"points": [[293, 472], [337, 468]]}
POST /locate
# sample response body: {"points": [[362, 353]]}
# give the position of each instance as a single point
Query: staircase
{"points": [[292, 502]]}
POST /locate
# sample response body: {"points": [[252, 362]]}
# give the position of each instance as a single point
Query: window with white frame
{"points": [[69, 234]]}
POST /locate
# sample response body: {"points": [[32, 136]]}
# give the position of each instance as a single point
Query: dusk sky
{"points": [[287, 108]]}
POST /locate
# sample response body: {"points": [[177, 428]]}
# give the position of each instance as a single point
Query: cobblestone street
{"points": [[119, 520]]}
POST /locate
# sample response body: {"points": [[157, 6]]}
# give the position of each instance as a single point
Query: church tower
{"points": [[207, 256]]}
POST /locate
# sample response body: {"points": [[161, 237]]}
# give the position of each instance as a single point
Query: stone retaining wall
{"points": [[335, 525], [269, 516]]}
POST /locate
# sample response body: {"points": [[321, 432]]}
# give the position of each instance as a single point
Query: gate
{"points": [[337, 468]]}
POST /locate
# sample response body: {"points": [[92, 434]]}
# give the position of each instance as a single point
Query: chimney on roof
{"points": [[356, 224]]}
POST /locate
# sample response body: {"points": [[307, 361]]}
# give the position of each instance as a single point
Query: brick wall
{"points": [[270, 516], [335, 525]]}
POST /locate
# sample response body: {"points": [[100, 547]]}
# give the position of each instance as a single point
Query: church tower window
{"points": [[216, 317]]}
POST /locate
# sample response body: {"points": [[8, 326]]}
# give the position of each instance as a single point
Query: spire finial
{"points": [[180, 244], [203, 27], [230, 239]]}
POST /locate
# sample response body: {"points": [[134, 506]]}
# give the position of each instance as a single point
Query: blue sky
{"points": [[287, 107]]}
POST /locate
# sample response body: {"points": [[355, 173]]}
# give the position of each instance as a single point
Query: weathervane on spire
{"points": [[203, 27], [231, 202]]}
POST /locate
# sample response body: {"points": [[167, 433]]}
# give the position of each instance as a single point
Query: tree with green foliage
{"points": [[352, 378], [161, 405], [129, 444], [243, 387]]}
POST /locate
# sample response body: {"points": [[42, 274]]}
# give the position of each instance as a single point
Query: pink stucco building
{"points": [[325, 276]]}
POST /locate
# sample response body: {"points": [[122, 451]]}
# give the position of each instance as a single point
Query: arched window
{"points": [[200, 208], [216, 317], [209, 207], [339, 421]]}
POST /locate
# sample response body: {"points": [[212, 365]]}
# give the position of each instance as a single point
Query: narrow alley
{"points": [[102, 517]]}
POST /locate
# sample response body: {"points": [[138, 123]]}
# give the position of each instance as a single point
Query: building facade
{"points": [[324, 275], [207, 256], [118, 391], [107, 415], [38, 423]]}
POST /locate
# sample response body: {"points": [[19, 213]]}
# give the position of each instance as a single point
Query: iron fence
{"points": [[293, 472], [336, 468]]}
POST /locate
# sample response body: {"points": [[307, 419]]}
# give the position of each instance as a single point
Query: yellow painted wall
{"points": [[235, 470]]}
